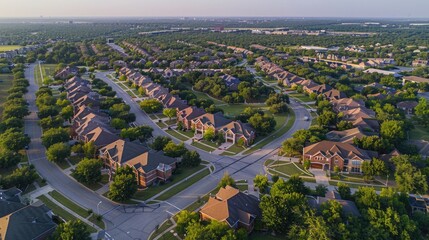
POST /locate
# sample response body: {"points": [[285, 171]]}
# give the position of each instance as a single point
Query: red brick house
{"points": [[328, 154]]}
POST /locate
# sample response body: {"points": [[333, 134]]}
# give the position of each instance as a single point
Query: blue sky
{"points": [[282, 8]]}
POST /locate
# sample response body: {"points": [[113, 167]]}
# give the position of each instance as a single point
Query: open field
{"points": [[5, 48], [5, 84]]}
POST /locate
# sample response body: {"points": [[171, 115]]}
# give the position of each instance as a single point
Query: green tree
{"points": [[72, 230], [151, 105], [89, 149], [209, 134], [169, 112], [410, 179], [184, 219], [20, 178], [160, 142], [344, 191], [67, 112], [375, 167], [13, 140], [124, 184], [393, 131], [263, 124], [8, 158], [88, 170], [118, 123], [226, 180], [173, 150], [321, 190], [141, 133], [54, 135], [261, 182], [327, 118], [191, 159], [388, 224], [58, 152], [422, 112], [281, 211]]}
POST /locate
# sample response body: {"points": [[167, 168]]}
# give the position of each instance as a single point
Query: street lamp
{"points": [[98, 210], [387, 180]]}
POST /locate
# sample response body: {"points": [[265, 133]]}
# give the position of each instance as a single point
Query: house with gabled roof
{"points": [[186, 115], [25, 222], [236, 130], [317, 89], [231, 82], [349, 207], [147, 166], [100, 137], [328, 154], [235, 208], [334, 94], [347, 136], [66, 72]]}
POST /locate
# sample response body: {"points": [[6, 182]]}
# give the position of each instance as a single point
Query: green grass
{"points": [[75, 159], [48, 70], [232, 110], [7, 171], [167, 224], [419, 133], [94, 220], [201, 95], [151, 191], [243, 187], [203, 147], [176, 135], [5, 48], [189, 133], [63, 164], [211, 144], [290, 169], [5, 84], [182, 186], [235, 149], [57, 210], [301, 97], [355, 185], [161, 125], [69, 204]]}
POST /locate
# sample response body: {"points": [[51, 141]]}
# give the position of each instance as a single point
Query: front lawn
{"points": [[290, 169], [180, 174], [177, 135], [69, 204], [203, 147]]}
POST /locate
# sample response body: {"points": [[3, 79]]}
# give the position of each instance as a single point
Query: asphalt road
{"points": [[138, 223]]}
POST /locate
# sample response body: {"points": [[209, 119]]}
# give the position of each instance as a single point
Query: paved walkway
{"points": [[320, 176], [38, 192]]}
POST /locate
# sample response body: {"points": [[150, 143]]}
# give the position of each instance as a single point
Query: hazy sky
{"points": [[279, 8]]}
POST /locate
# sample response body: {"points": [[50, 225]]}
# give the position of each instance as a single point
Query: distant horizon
{"points": [[378, 9]]}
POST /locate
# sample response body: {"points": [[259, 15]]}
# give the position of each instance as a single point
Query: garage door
{"points": [[316, 165]]}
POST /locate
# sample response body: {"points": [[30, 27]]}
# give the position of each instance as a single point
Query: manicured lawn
{"points": [[189, 133], [353, 185], [48, 70], [63, 164], [161, 229], [182, 186], [203, 147], [171, 122], [419, 133], [69, 204], [5, 48], [176, 135], [61, 212], [151, 191], [232, 110], [301, 97], [211, 144], [243, 187], [235, 149], [97, 185], [5, 84], [290, 169], [201, 95]]}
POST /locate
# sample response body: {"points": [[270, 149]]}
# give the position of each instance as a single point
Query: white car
{"points": [[306, 118]]}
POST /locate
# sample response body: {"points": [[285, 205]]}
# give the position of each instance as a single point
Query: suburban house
{"points": [[318, 89], [11, 195], [66, 72], [349, 207], [100, 137], [347, 136], [148, 167], [334, 94], [328, 154], [231, 82], [188, 114], [367, 124], [237, 209], [419, 203], [414, 79], [344, 104], [407, 106], [233, 130], [20, 221]]}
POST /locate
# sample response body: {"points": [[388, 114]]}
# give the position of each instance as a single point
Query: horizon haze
{"points": [[219, 8]]}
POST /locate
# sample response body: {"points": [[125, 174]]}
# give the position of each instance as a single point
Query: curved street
{"points": [[138, 223]]}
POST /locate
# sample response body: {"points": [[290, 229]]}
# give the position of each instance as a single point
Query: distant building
{"points": [[349, 207], [414, 79], [419, 204], [407, 106]]}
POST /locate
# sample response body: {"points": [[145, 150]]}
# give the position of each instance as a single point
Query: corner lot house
{"points": [[233, 207]]}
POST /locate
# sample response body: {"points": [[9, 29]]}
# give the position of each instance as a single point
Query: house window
{"points": [[336, 162], [356, 163], [355, 170]]}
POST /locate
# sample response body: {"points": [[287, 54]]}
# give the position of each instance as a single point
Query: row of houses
{"points": [[90, 124], [17, 52], [191, 117]]}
